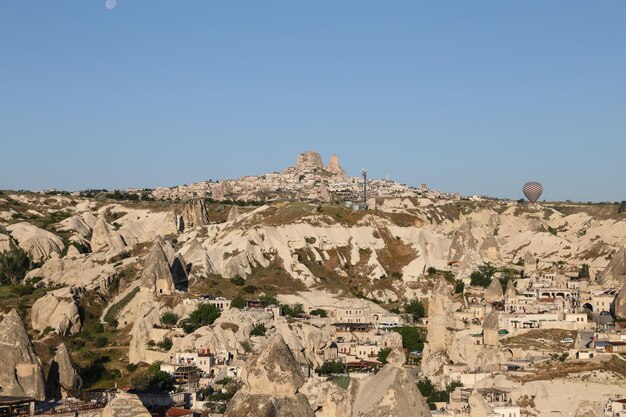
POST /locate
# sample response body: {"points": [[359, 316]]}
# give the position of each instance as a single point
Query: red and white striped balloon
{"points": [[532, 191]]}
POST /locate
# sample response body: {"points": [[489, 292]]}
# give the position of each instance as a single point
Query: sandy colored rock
{"points": [[156, 276], [195, 254], [57, 310], [104, 237], [589, 410], [490, 249], [125, 405], [21, 373], [39, 243], [462, 242], [233, 214], [334, 167], [73, 252], [619, 304], [391, 392], [491, 327], [615, 271], [479, 406], [6, 243], [309, 161], [494, 292], [510, 292], [271, 383], [439, 317], [62, 376], [530, 263], [274, 371], [194, 214]]}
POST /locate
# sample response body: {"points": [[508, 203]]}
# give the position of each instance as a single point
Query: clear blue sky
{"points": [[469, 96]]}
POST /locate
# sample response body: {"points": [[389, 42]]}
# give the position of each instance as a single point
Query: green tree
{"points": [[433, 394], [169, 318], [153, 379], [319, 312], [239, 281], [14, 265], [269, 299], [416, 309], [293, 310], [382, 355], [101, 341], [165, 344], [479, 280], [459, 286], [413, 338], [330, 368], [238, 302], [203, 315], [258, 330], [583, 272]]}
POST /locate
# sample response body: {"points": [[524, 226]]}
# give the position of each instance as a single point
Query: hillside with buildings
{"points": [[181, 299]]}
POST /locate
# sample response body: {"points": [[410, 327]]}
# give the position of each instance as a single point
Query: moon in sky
{"points": [[111, 4]]}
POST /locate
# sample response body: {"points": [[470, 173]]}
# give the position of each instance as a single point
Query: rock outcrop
{"points": [[6, 243], [309, 161], [510, 292], [195, 214], [39, 243], [494, 292], [391, 392], [105, 238], [161, 273], [479, 406], [436, 353], [57, 310], [619, 304], [21, 373], [589, 410], [334, 167], [615, 271], [439, 317], [462, 243], [530, 263], [195, 254], [63, 377], [233, 214], [271, 384], [491, 327], [125, 405]]}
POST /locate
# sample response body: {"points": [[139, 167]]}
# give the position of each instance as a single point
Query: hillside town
{"points": [[308, 180], [417, 303]]}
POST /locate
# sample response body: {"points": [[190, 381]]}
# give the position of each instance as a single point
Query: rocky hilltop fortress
{"points": [[308, 180], [421, 303]]}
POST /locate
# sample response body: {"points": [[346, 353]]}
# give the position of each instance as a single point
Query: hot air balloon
{"points": [[532, 191]]}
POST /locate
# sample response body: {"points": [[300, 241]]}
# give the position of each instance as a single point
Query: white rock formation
{"points": [[21, 374], [479, 406], [125, 405], [57, 310], [334, 167], [63, 377], [156, 276], [391, 392], [615, 272], [271, 384], [39, 243], [494, 292], [194, 214], [105, 238]]}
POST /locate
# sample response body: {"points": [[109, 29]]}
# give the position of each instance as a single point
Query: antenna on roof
{"points": [[364, 172]]}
